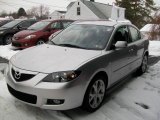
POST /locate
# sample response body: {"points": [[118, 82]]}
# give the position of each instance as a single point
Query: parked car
{"points": [[3, 22], [78, 65], [8, 30], [38, 33]]}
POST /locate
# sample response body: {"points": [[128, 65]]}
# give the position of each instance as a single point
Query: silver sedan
{"points": [[77, 66]]}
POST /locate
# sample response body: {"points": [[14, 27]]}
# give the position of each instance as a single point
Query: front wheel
{"points": [[94, 95], [143, 68], [7, 39]]}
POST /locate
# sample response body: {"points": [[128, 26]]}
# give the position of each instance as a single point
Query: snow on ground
{"points": [[138, 99], [6, 51]]}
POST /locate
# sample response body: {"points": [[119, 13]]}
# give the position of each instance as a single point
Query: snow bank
{"points": [[147, 28], [6, 52], [154, 48]]}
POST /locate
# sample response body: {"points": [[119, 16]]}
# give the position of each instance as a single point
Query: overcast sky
{"points": [[14, 5]]}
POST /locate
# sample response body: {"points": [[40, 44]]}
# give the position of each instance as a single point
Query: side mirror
{"points": [[121, 44]]}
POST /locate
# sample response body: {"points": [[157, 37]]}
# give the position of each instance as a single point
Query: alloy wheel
{"points": [[97, 93]]}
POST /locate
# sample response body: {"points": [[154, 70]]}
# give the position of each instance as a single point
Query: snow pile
{"points": [[147, 28], [7, 52], [154, 48], [138, 99]]}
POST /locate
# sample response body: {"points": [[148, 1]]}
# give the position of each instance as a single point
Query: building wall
{"points": [[118, 13], [86, 13], [56, 15]]}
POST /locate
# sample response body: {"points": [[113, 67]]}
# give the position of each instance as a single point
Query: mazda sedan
{"points": [[78, 66]]}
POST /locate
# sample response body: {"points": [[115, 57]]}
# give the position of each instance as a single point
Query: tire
{"points": [[7, 39], [93, 98], [144, 65], [40, 42]]}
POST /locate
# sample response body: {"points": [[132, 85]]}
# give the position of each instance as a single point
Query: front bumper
{"points": [[22, 43], [37, 93]]}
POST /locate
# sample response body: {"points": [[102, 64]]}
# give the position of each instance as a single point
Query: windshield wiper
{"points": [[70, 45]]}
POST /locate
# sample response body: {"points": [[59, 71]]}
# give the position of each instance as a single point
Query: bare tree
{"points": [[41, 12], [155, 30]]}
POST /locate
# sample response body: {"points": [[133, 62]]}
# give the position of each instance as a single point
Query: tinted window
{"points": [[66, 23], [56, 25], [84, 36], [121, 34], [39, 25], [25, 24], [12, 23], [135, 34]]}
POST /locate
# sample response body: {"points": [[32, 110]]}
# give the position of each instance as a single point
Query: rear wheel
{"points": [[94, 95], [143, 68], [7, 39]]}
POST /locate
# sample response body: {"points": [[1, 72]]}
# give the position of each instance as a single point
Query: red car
{"points": [[38, 33]]}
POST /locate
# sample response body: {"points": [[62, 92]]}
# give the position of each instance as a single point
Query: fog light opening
{"points": [[54, 101]]}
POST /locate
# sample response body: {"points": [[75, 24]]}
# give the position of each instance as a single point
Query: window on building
{"points": [[78, 11]]}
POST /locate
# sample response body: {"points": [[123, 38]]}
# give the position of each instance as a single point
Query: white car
{"points": [[78, 65]]}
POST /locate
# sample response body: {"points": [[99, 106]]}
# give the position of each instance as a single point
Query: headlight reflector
{"points": [[62, 76], [30, 37]]}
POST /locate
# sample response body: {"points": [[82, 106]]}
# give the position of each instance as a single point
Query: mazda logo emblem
{"points": [[17, 75]]}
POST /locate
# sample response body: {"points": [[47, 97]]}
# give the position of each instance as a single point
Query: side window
{"points": [[56, 25], [122, 34], [66, 23], [135, 34], [32, 22], [25, 24]]}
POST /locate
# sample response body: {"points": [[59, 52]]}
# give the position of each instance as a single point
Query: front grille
{"points": [[16, 44], [19, 77], [23, 96]]}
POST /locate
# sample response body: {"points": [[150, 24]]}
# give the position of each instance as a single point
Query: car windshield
{"points": [[12, 24], [39, 25], [94, 37]]}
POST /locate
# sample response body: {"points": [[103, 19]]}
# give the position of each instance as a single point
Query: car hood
{"points": [[51, 58], [24, 33]]}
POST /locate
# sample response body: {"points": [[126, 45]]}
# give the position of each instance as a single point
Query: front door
{"points": [[120, 58]]}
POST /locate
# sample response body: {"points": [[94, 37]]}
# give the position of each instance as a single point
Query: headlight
{"points": [[1, 32], [30, 37], [62, 76]]}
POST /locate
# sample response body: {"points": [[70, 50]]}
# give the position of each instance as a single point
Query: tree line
{"points": [[40, 12]]}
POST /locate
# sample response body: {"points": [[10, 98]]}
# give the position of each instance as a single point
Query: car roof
{"points": [[51, 20], [103, 22], [26, 19]]}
